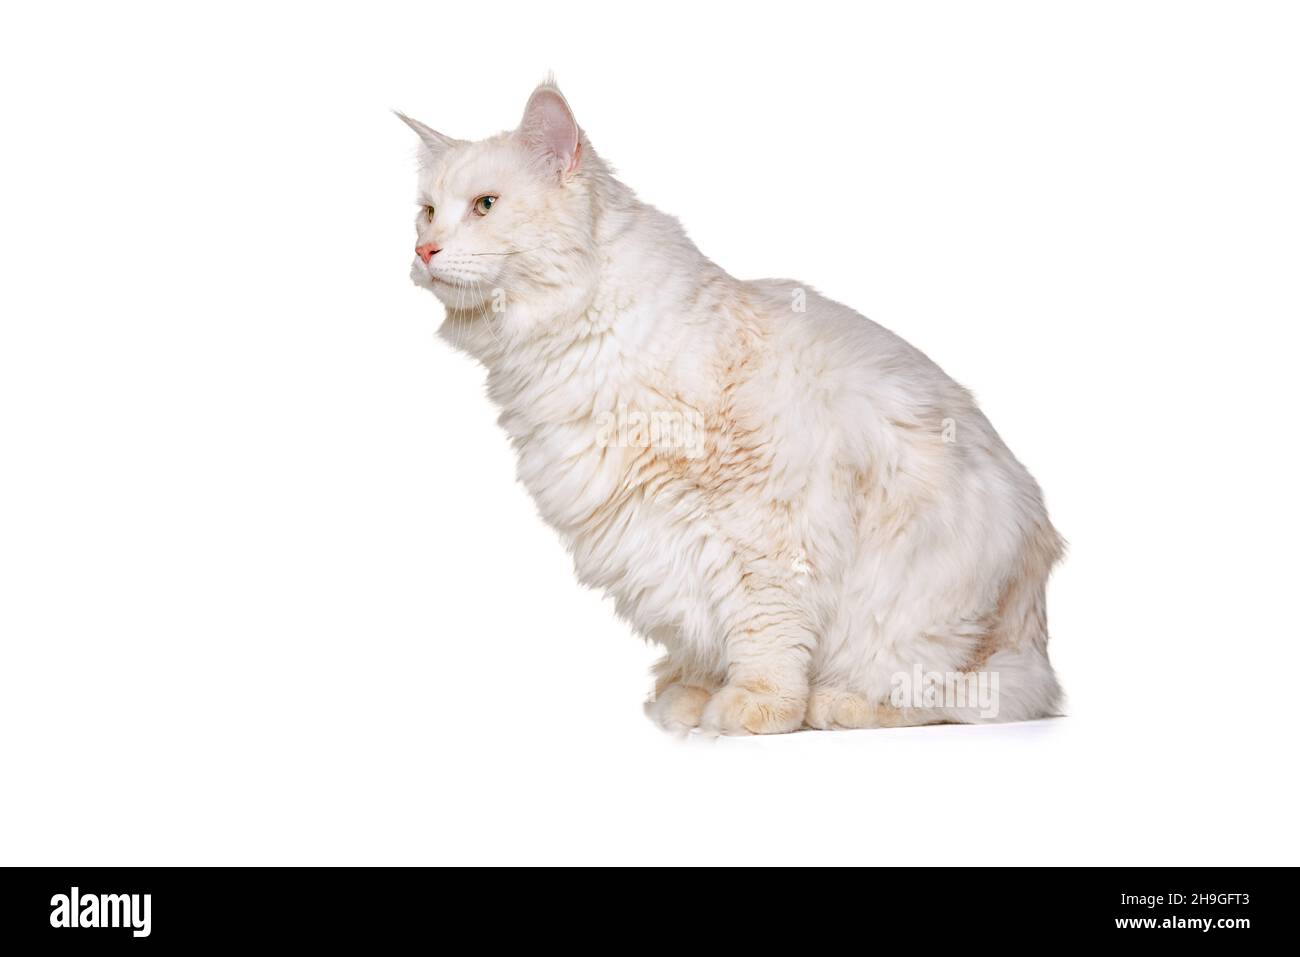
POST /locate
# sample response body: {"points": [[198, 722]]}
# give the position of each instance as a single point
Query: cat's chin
{"points": [[461, 298]]}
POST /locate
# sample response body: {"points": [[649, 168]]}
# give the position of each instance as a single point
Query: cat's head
{"points": [[507, 219]]}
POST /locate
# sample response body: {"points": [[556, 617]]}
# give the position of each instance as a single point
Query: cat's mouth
{"points": [[438, 282], [453, 282], [448, 288]]}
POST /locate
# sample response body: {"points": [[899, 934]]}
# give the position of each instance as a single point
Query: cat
{"points": [[816, 524]]}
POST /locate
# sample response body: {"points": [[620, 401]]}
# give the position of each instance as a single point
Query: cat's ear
{"points": [[551, 132], [435, 142]]}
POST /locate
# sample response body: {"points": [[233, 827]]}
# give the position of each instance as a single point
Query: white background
{"points": [[270, 594]]}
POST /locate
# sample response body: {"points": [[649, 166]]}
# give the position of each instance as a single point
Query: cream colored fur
{"points": [[844, 513]]}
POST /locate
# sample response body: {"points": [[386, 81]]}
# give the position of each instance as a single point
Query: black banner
{"points": [[99, 908]]}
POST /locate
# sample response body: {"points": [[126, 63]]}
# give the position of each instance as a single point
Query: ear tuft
{"points": [[435, 142], [549, 129]]}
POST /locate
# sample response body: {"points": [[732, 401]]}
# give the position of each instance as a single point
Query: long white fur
{"points": [[849, 513]]}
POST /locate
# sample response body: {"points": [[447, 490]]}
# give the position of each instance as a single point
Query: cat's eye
{"points": [[483, 204], [428, 213]]}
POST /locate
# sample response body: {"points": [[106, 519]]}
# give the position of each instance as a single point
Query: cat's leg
{"points": [[768, 650], [1010, 684]]}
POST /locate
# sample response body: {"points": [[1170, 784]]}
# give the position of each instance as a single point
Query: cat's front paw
{"points": [[678, 707], [737, 709]]}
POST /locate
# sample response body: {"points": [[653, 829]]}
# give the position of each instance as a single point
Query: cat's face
{"points": [[496, 217]]}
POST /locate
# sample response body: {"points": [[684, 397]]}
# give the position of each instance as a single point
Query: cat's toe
{"points": [[678, 707], [739, 710]]}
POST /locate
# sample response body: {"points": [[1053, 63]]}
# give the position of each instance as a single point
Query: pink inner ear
{"points": [[549, 127]]}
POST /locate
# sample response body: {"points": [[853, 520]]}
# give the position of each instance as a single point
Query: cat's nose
{"points": [[427, 251]]}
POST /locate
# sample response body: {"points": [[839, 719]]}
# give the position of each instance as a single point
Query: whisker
{"points": [[512, 252]]}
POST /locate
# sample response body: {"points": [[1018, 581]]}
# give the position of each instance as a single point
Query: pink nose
{"points": [[426, 252]]}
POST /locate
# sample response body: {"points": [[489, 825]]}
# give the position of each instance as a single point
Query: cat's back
{"points": [[845, 352], [868, 399]]}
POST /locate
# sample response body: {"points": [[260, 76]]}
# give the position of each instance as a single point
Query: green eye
{"points": [[428, 213], [483, 204]]}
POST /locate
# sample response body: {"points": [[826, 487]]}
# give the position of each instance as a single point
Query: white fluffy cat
{"points": [[815, 522]]}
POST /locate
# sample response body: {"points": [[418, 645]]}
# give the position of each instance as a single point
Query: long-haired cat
{"points": [[816, 524]]}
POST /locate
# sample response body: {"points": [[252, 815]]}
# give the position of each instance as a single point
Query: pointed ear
{"points": [[436, 143], [549, 129]]}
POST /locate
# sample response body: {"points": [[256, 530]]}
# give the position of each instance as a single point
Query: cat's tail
{"points": [[1012, 665], [1008, 676]]}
